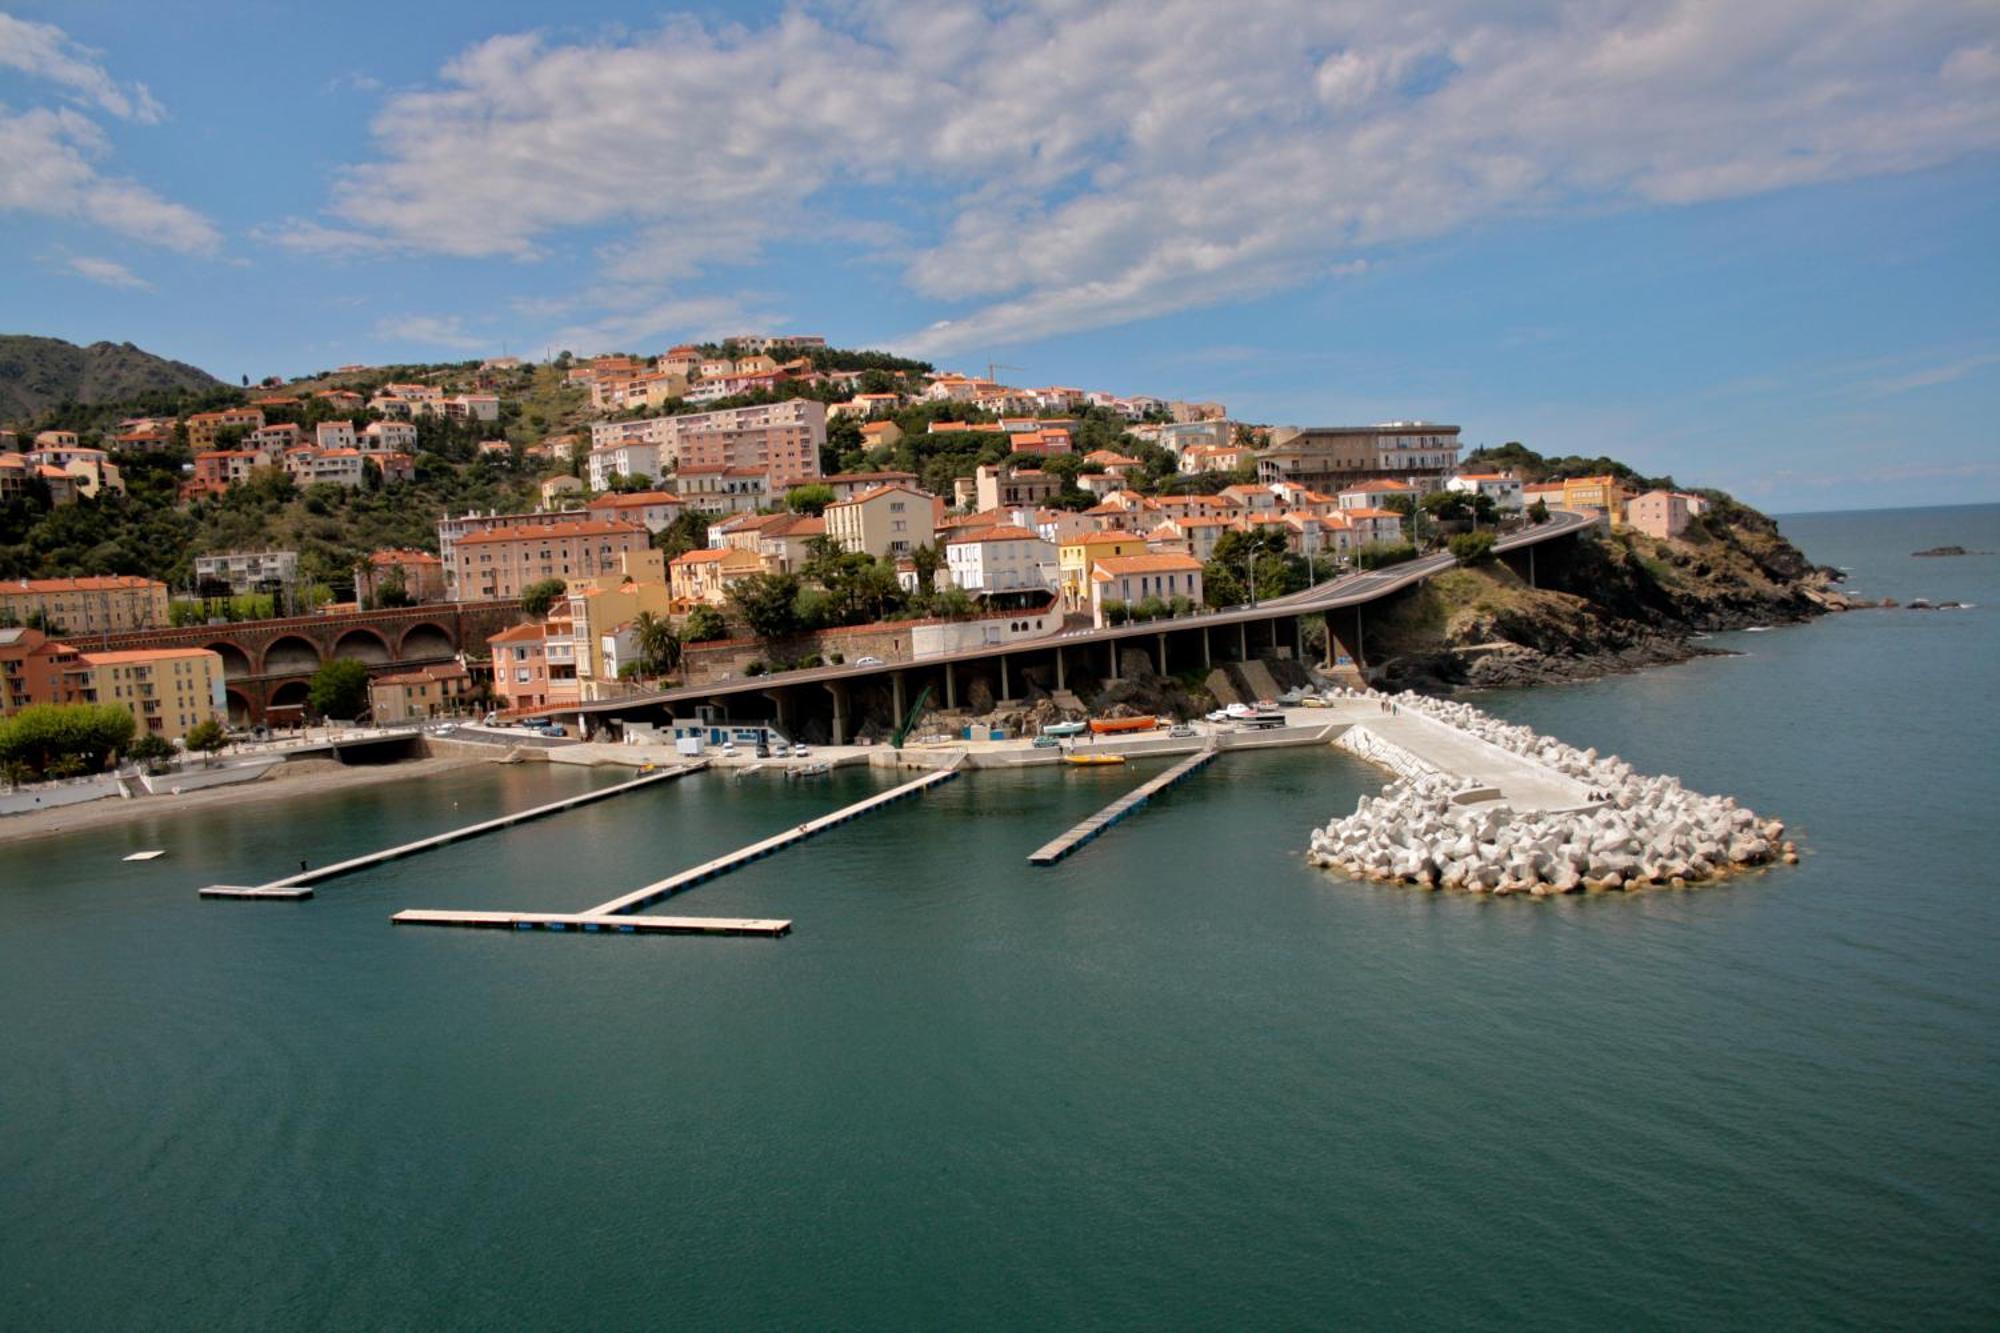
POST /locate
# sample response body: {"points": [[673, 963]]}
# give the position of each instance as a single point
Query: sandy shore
{"points": [[286, 780]]}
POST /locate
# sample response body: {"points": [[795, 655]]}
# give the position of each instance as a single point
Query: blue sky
{"points": [[1750, 246]]}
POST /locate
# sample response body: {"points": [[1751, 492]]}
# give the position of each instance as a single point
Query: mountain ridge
{"points": [[38, 373]]}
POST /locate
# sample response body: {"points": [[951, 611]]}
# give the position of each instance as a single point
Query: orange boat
{"points": [[1111, 726]]}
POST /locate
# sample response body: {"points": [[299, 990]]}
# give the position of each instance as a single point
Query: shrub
{"points": [[1152, 608], [1116, 613], [537, 598], [756, 668], [1470, 548], [1377, 555]]}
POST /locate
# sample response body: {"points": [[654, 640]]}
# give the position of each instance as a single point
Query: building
{"points": [[520, 668], [707, 575], [561, 487], [1661, 514], [36, 669], [102, 604], [881, 435], [887, 522], [414, 696], [1182, 436], [1604, 496], [1001, 559], [598, 608], [450, 531], [245, 572], [1131, 579], [419, 574], [168, 691], [1334, 457], [781, 439], [1076, 558], [338, 435], [655, 511], [1000, 486], [724, 490], [505, 562], [1377, 494], [204, 428], [1503, 490], [847, 485], [379, 437], [330, 467]]}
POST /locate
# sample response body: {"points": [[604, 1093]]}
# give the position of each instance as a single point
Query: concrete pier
{"points": [[588, 923], [757, 851], [272, 890], [254, 891], [1136, 799]]}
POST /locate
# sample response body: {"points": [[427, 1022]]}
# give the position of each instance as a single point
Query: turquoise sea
{"points": [[1180, 1081]]}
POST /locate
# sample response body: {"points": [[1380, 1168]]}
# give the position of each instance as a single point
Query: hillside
{"points": [[1599, 604], [37, 374]]}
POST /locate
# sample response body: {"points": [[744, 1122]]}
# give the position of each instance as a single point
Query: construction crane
{"points": [[992, 366]]}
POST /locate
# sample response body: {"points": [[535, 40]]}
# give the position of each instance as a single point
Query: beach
{"points": [[280, 783]]}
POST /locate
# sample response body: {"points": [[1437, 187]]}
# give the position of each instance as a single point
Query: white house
{"points": [[1504, 491], [1134, 578], [1001, 559]]}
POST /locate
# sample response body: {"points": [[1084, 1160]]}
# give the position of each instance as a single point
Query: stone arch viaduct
{"points": [[267, 663]]}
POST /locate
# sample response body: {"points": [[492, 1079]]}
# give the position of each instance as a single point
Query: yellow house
{"points": [[1595, 495], [708, 574], [594, 612], [1076, 557], [166, 690]]}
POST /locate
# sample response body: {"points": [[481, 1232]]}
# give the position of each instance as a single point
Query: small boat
{"points": [[1093, 760], [1063, 729], [1111, 726]]}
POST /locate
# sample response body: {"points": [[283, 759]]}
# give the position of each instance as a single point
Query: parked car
{"points": [[1180, 731], [868, 661], [556, 730]]}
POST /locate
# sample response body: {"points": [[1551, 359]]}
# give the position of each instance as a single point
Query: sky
{"points": [[1754, 246]]}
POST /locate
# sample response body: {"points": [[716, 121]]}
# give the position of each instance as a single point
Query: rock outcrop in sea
{"points": [[1429, 829]]}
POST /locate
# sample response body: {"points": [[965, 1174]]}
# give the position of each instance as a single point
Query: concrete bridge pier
{"points": [[781, 710], [1005, 691], [1061, 684], [896, 704], [1206, 652], [1162, 668], [838, 689], [950, 688]]}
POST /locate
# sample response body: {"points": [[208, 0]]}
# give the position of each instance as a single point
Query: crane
{"points": [[992, 366]]}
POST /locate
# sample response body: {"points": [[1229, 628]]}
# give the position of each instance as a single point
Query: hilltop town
{"points": [[743, 507]]}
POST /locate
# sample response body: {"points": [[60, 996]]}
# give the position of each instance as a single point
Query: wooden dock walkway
{"points": [[757, 851], [278, 888], [590, 923], [1050, 853]]}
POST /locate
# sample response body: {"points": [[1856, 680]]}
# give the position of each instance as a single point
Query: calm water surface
{"points": [[1180, 1081]]}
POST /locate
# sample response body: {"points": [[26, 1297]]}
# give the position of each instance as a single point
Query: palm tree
{"points": [[659, 646]]}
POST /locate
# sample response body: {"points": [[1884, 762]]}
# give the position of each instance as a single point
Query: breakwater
{"points": [[1438, 829]]}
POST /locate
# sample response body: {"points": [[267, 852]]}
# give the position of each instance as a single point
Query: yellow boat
{"points": [[1090, 759]]}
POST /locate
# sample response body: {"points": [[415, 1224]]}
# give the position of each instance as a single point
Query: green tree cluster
{"points": [[339, 689], [63, 740]]}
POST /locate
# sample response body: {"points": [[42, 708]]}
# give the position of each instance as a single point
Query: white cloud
{"points": [[108, 272], [1061, 166], [45, 51], [47, 166], [429, 331], [1926, 377]]}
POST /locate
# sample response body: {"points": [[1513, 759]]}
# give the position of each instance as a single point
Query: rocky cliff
{"points": [[1598, 604]]}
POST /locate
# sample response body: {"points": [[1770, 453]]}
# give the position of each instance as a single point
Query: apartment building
{"points": [[102, 604], [724, 490], [452, 530], [1332, 457], [886, 522], [203, 428], [36, 669], [246, 571], [414, 696], [503, 562], [1001, 559], [1135, 578], [167, 690]]}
